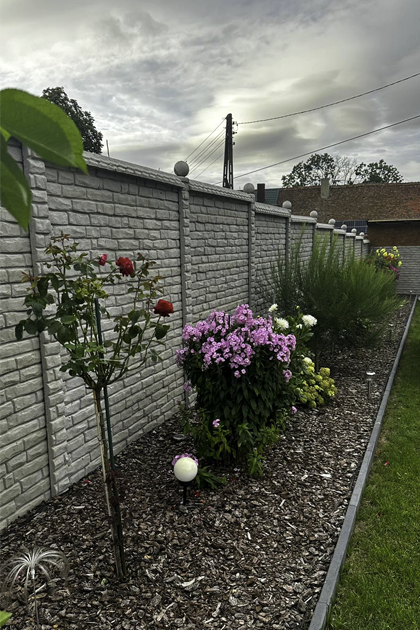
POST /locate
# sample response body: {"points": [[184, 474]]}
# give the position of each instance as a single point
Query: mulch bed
{"points": [[252, 555]]}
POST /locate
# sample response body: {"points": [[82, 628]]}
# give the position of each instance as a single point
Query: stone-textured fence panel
{"points": [[213, 246]]}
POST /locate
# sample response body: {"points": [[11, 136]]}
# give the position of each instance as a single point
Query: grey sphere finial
{"points": [[354, 231], [331, 221], [181, 169], [344, 226], [362, 234], [313, 214], [287, 205], [249, 188]]}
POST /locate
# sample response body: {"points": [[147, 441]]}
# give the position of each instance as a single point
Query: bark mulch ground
{"points": [[252, 555]]}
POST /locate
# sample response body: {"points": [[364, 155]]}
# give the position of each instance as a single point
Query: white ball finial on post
{"points": [[181, 169]]}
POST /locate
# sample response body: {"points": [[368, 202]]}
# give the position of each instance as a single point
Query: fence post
{"points": [[40, 232]]}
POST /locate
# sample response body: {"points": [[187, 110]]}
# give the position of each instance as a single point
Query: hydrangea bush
{"points": [[308, 386], [238, 365]]}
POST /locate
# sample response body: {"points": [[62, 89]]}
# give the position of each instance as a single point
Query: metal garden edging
{"points": [[319, 618]]}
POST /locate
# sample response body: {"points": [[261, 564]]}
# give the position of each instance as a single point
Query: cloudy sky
{"points": [[159, 76]]}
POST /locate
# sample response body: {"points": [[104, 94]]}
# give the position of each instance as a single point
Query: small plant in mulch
{"points": [[74, 286], [27, 569]]}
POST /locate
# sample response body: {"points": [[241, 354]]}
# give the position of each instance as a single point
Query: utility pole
{"points": [[228, 162]]}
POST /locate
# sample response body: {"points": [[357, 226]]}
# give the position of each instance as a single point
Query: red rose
{"points": [[103, 259], [164, 308], [126, 266]]}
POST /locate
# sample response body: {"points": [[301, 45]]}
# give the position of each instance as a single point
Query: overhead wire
{"points": [[328, 146], [344, 100], [211, 164], [200, 157], [209, 155], [205, 139]]}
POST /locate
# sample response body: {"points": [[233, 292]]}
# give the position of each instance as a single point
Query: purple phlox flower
{"points": [[177, 457], [187, 386], [287, 375], [294, 410], [216, 423]]}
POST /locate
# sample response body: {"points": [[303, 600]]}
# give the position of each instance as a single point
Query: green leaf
{"points": [[161, 331], [55, 282], [54, 326], [15, 194], [42, 286], [4, 616], [19, 330], [68, 319], [31, 327], [42, 126], [37, 309]]}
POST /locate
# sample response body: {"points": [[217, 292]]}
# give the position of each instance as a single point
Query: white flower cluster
{"points": [[309, 320], [283, 324], [272, 308]]}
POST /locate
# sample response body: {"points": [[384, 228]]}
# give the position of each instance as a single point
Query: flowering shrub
{"points": [[314, 388], [308, 387], [238, 366], [74, 286], [386, 261]]}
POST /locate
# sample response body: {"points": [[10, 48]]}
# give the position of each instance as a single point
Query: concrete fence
{"points": [[213, 246]]}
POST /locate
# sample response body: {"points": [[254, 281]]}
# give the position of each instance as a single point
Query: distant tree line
{"points": [[339, 170]]}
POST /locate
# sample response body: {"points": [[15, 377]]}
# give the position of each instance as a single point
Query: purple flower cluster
{"points": [[234, 340]]}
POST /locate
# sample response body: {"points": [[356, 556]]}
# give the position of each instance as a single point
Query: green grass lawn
{"points": [[380, 583]]}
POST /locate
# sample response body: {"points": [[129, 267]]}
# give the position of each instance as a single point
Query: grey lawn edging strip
{"points": [[320, 616]]}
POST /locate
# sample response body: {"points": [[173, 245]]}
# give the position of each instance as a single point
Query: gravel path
{"points": [[253, 555]]}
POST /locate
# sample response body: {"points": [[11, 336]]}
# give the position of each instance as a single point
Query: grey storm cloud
{"points": [[158, 77]]}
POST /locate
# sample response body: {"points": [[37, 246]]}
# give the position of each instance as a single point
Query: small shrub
{"points": [[382, 260], [351, 302], [238, 366]]}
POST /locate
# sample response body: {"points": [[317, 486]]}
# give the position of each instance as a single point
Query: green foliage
{"points": [[338, 170], [350, 301], [73, 285], [207, 479], [44, 128], [377, 172], [4, 617], [309, 387], [382, 260], [241, 410], [313, 388], [84, 121]]}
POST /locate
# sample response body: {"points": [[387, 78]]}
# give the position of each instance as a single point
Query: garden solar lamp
{"points": [[185, 471], [369, 379]]}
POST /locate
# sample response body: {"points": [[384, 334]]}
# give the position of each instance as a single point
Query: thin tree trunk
{"points": [[111, 491]]}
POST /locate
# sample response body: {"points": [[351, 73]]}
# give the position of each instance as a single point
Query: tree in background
{"points": [[84, 121], [377, 172], [339, 170]]}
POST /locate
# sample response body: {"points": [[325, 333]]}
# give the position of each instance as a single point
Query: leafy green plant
{"points": [[207, 479], [4, 617], [237, 365], [46, 129], [382, 260], [350, 301], [27, 566], [75, 286], [308, 386]]}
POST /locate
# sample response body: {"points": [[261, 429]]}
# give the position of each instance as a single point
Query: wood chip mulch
{"points": [[252, 555]]}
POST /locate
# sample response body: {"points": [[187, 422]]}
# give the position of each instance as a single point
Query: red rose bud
{"points": [[164, 308], [103, 259], [126, 266]]}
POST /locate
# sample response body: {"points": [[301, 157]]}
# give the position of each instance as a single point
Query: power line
{"points": [[220, 123], [209, 155], [200, 157], [211, 164], [344, 100], [328, 146]]}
